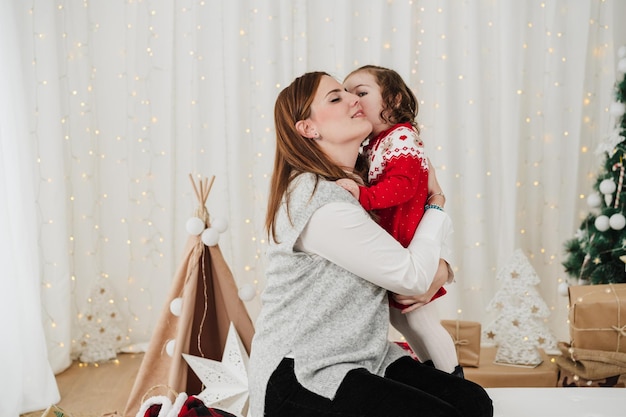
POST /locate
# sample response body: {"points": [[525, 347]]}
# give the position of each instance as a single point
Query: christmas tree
{"points": [[597, 252], [520, 328], [102, 325]]}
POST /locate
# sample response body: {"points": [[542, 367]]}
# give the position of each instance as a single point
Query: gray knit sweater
{"points": [[328, 319]]}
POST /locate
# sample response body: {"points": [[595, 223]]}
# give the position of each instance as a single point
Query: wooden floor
{"points": [[96, 390]]}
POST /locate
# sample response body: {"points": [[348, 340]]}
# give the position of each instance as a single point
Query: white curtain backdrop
{"points": [[126, 98], [27, 382]]}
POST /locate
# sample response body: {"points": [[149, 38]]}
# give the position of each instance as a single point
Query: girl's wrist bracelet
{"points": [[434, 194], [433, 206]]}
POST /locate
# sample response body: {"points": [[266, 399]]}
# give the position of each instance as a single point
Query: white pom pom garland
{"points": [[210, 237], [220, 224], [617, 221], [247, 292], [594, 200], [608, 186], [602, 223], [194, 226], [169, 347], [176, 306]]}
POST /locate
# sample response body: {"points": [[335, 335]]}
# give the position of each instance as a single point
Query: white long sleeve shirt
{"points": [[362, 247]]}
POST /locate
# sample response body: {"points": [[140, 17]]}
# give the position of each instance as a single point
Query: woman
{"points": [[320, 346]]}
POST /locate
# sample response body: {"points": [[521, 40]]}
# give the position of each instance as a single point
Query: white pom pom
{"points": [[176, 306], [194, 226], [602, 223], [210, 237], [594, 200], [563, 289], [621, 66], [621, 52], [617, 221], [247, 292], [169, 347], [608, 186], [617, 109], [220, 224]]}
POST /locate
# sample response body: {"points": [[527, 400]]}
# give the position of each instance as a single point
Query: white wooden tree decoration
{"points": [[520, 328]]}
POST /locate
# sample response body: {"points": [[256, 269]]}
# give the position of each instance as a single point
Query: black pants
{"points": [[409, 389]]}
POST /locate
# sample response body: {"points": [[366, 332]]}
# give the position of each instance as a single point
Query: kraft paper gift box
{"points": [[597, 316], [466, 336], [54, 411], [590, 368], [493, 375], [569, 379]]}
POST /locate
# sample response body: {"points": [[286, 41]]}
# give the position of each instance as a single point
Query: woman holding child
{"points": [[321, 345]]}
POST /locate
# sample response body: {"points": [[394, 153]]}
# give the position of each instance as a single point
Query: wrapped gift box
{"points": [[590, 368], [54, 411], [570, 379], [492, 375], [466, 336], [597, 317]]}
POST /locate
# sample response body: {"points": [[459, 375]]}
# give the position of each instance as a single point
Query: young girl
{"points": [[398, 194]]}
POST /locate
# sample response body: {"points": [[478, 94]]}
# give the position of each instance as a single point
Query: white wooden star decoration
{"points": [[225, 382]]}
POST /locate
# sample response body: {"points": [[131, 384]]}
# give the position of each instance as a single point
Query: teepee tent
{"points": [[195, 320]]}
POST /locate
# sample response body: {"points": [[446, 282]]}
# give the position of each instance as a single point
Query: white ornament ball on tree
{"points": [[563, 289], [602, 223], [176, 306], [621, 66], [617, 221], [220, 224], [594, 200], [169, 347], [210, 237], [608, 186], [247, 292], [617, 109], [194, 226], [621, 51]]}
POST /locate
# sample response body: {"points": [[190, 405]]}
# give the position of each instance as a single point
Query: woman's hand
{"points": [[349, 185], [435, 194], [416, 301]]}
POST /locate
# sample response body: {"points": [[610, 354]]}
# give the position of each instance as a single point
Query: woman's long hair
{"points": [[399, 102], [296, 154]]}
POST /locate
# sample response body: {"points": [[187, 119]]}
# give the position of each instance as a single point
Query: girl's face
{"points": [[336, 115], [363, 85]]}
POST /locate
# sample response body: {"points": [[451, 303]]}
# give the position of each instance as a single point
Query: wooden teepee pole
{"points": [[202, 191]]}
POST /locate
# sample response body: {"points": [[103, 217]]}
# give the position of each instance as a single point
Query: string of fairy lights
{"points": [[148, 91]]}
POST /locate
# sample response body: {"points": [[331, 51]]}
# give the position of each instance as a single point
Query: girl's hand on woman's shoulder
{"points": [[349, 185]]}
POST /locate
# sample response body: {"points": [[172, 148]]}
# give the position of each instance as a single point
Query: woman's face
{"points": [[336, 115], [364, 86]]}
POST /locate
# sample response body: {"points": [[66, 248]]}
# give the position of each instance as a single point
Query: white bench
{"points": [[558, 402]]}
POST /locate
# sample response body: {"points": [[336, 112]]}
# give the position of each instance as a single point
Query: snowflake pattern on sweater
{"points": [[398, 177]]}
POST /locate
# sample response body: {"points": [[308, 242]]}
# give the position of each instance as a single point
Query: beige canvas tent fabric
{"points": [[210, 302]]}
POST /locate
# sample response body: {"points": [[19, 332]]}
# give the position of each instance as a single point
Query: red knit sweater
{"points": [[398, 177]]}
